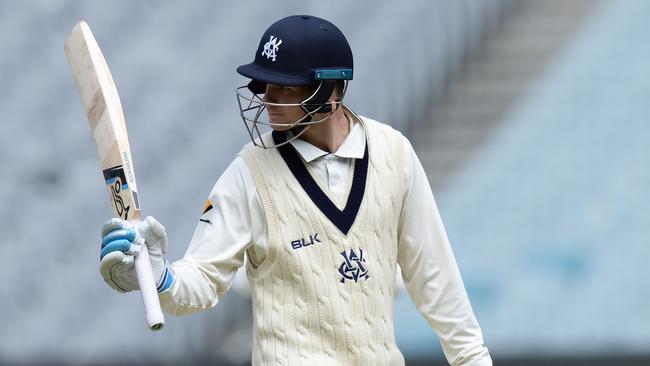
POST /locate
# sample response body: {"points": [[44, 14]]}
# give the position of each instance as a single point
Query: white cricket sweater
{"points": [[324, 293]]}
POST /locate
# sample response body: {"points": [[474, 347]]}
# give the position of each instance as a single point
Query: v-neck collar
{"points": [[342, 219]]}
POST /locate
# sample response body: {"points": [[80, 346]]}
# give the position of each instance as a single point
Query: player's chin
{"points": [[281, 127], [279, 123]]}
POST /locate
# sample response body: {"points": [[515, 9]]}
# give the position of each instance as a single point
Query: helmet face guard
{"points": [[252, 110], [299, 50]]}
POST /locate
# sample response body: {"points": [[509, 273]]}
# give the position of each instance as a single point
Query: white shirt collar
{"points": [[353, 147]]}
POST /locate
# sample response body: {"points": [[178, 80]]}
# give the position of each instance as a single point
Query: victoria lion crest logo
{"points": [[353, 267], [271, 47]]}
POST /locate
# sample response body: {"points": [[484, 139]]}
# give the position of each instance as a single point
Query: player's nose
{"points": [[267, 99]]}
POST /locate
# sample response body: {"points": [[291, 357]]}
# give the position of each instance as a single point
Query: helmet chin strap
{"points": [[316, 103]]}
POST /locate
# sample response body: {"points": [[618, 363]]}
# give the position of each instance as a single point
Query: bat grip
{"points": [[153, 313]]}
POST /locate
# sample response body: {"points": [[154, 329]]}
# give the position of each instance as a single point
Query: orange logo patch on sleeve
{"points": [[207, 207]]}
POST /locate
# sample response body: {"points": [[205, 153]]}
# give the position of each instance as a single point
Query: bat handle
{"points": [[153, 313]]}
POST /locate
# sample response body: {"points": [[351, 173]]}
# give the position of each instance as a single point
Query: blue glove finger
{"points": [[128, 234], [114, 246], [111, 225]]}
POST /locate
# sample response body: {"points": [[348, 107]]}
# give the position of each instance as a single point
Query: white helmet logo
{"points": [[271, 47]]}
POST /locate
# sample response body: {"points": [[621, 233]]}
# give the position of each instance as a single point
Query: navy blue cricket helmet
{"points": [[299, 50]]}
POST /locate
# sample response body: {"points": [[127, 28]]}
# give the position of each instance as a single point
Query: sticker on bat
{"points": [[116, 180], [129, 169]]}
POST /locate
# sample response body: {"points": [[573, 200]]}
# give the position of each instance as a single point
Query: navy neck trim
{"points": [[343, 220]]}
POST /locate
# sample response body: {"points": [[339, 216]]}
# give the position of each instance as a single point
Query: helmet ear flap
{"points": [[257, 87], [317, 103]]}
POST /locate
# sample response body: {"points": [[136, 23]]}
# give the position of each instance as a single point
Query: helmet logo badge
{"points": [[271, 47]]}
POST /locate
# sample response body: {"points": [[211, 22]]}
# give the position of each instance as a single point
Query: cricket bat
{"points": [[104, 111]]}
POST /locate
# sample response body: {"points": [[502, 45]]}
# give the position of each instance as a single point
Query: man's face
{"points": [[285, 95]]}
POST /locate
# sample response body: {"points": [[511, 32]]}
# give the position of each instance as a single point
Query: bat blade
{"points": [[104, 111]]}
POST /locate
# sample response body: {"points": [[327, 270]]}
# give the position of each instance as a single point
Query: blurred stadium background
{"points": [[530, 117]]}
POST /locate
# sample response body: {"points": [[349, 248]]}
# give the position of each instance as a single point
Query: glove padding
{"points": [[121, 241]]}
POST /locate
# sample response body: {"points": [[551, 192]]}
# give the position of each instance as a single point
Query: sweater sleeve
{"points": [[231, 223]]}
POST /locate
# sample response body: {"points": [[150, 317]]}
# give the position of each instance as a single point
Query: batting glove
{"points": [[121, 241]]}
